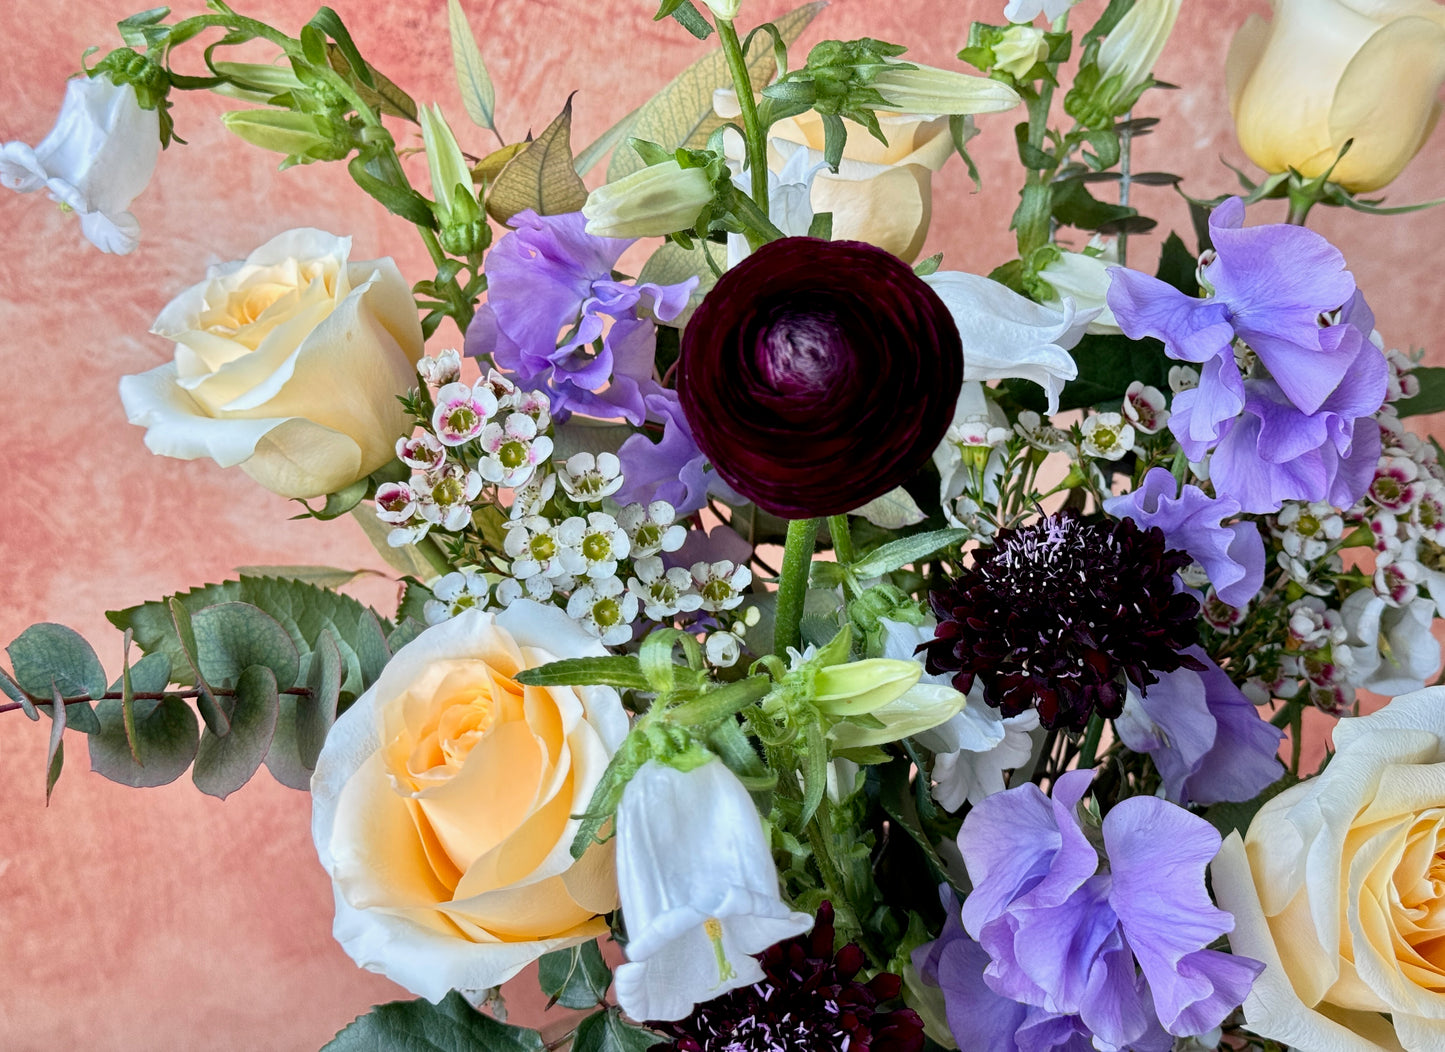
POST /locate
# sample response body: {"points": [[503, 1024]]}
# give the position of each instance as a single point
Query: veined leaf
{"points": [[452, 1025], [905, 550], [475, 83], [541, 177]]}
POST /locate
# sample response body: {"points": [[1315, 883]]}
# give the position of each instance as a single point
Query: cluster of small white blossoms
{"points": [[483, 436], [561, 545]]}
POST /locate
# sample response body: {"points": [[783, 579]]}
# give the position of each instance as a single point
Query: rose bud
{"points": [[817, 375]]}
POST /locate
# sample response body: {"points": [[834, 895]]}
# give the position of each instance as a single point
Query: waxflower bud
{"points": [[302, 137], [660, 199]]}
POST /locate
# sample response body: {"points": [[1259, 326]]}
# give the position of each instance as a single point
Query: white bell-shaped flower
{"points": [[699, 890], [96, 160]]}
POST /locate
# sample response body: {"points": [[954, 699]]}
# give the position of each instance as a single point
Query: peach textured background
{"points": [[166, 920]]}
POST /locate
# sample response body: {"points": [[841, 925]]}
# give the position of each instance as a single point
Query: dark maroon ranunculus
{"points": [[818, 375]]}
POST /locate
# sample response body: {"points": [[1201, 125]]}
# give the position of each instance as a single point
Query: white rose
{"points": [[1339, 888], [443, 802], [287, 363]]}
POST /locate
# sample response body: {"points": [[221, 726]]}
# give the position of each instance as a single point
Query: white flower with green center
{"points": [[1107, 436], [455, 592], [589, 479], [1306, 531], [534, 404], [652, 529], [531, 499], [462, 413], [514, 449], [663, 593], [534, 547], [604, 608], [1145, 408], [421, 451], [1035, 432], [598, 540], [444, 495], [538, 587], [444, 369], [1427, 517], [721, 584]]}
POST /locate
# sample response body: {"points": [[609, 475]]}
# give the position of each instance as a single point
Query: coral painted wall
{"points": [[166, 920]]}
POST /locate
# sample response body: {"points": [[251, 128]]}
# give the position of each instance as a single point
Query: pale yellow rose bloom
{"points": [[443, 803], [1326, 71], [287, 363], [1339, 888]]}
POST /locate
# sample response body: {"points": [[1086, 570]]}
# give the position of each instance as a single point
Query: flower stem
{"points": [[793, 583], [1089, 751], [753, 131], [842, 538], [1299, 208]]}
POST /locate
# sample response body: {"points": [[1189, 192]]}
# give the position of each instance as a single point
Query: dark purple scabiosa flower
{"points": [[808, 1001], [818, 375], [1057, 614]]}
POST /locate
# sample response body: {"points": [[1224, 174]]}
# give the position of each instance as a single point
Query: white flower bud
{"points": [[654, 202]]}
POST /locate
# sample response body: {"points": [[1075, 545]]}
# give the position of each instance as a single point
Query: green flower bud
{"points": [[1133, 46], [925, 90], [459, 215], [302, 137], [255, 82], [1019, 50], [658, 200], [921, 707], [862, 687]]}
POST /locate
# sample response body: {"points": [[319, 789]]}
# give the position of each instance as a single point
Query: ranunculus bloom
{"points": [[443, 802], [287, 363], [96, 160], [817, 375], [1327, 71], [1337, 887]]}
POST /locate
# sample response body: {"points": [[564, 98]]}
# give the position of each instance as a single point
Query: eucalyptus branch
{"points": [[115, 695]]}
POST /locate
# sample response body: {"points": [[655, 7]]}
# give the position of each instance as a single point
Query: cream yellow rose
{"points": [[1339, 888], [287, 363], [1327, 71], [443, 802]]}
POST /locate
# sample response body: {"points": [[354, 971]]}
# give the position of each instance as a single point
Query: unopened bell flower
{"points": [[699, 890], [652, 202], [1133, 45], [915, 89]]}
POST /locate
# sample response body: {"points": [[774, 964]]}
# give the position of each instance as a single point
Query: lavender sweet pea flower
{"points": [[550, 293], [1207, 739], [672, 469], [1232, 556], [1134, 934]]}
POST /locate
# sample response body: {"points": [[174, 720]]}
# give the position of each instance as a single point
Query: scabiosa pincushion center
{"points": [[818, 375], [1056, 614]]}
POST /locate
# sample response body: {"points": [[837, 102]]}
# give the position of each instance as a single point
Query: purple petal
{"points": [[1193, 330], [1201, 415], [1173, 725], [1244, 759]]}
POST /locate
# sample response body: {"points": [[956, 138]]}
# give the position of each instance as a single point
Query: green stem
{"points": [[1090, 749], [753, 132], [842, 538], [1299, 208], [793, 584]]}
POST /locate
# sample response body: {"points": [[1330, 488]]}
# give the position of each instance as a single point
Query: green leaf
{"points": [[892, 511], [1108, 364], [542, 176], [606, 1032], [576, 977], [623, 672], [1431, 398], [406, 203], [404, 633], [155, 632], [384, 96], [681, 114], [473, 81], [320, 576], [1074, 206], [897, 554], [216, 717], [342, 501], [283, 758], [1178, 267], [55, 754], [316, 712], [690, 18], [329, 22], [12, 690], [419, 1026], [127, 694], [225, 763], [231, 637], [406, 560], [166, 736], [47, 654]]}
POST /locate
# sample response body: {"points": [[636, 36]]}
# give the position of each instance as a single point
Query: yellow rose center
{"points": [[245, 307], [464, 721]]}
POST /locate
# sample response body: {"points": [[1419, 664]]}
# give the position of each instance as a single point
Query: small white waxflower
{"points": [[1395, 487], [722, 649], [1306, 531], [1183, 378], [965, 513], [1398, 581], [1219, 614], [534, 548], [1313, 625], [395, 503], [1427, 517], [605, 609], [1145, 408], [662, 593], [529, 500], [1035, 432], [598, 540], [421, 451], [514, 450], [410, 534], [1107, 436], [536, 405], [455, 592], [721, 584], [445, 368], [1401, 383], [589, 479], [504, 390], [538, 587], [444, 495], [462, 412], [652, 529]]}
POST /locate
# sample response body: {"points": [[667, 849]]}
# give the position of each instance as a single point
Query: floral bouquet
{"points": [[799, 644]]}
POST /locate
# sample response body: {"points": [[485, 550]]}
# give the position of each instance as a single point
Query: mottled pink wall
{"points": [[165, 920]]}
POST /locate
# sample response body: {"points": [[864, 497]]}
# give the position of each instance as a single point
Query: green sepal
{"points": [[896, 554], [623, 672]]}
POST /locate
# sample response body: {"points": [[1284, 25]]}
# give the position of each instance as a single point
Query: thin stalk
{"points": [[753, 131], [1090, 749], [793, 584], [1126, 141], [842, 535]]}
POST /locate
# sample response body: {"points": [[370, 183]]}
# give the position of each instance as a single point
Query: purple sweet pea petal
{"points": [[1232, 556], [1173, 724], [1193, 330], [672, 469], [1157, 854], [1201, 415], [1244, 759], [1354, 471]]}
